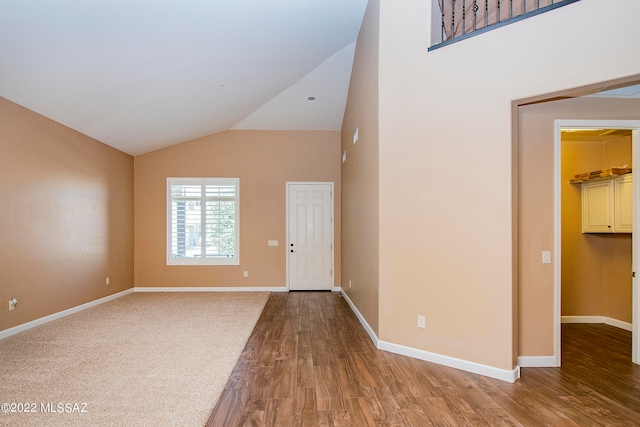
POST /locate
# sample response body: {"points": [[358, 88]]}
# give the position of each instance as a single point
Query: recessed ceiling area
{"points": [[141, 75], [628, 91]]}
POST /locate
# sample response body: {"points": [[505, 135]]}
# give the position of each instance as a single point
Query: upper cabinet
{"points": [[607, 205], [597, 207], [623, 204]]}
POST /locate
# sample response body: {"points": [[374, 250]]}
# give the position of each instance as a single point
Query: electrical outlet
{"points": [[106, 282], [246, 274], [12, 304], [421, 322]]}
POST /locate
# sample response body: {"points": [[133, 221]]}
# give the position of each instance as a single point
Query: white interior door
{"points": [[310, 245]]}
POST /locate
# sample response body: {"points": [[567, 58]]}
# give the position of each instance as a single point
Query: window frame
{"points": [[231, 260]]}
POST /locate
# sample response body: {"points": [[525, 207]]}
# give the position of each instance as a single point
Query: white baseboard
{"points": [[581, 319], [54, 316], [362, 320], [336, 289], [618, 324], [598, 319], [537, 362], [452, 362], [210, 289]]}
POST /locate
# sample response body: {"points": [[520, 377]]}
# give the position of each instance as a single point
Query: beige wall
{"points": [[264, 161], [67, 218], [535, 146], [617, 252], [360, 175], [445, 164]]}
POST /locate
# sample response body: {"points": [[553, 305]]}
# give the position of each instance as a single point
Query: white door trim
{"points": [[634, 126], [287, 244]]}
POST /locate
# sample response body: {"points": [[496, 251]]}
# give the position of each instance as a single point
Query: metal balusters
{"points": [[443, 4], [486, 13], [455, 23], [464, 16], [453, 18], [475, 14]]}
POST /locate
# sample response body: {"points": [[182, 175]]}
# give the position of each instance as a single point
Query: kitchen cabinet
{"points": [[607, 205]]}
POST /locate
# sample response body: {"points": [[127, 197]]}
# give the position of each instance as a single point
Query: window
{"points": [[203, 221]]}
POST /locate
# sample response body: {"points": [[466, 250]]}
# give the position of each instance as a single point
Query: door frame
{"points": [[288, 184], [634, 127]]}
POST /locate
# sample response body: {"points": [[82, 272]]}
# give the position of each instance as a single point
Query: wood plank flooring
{"points": [[309, 362]]}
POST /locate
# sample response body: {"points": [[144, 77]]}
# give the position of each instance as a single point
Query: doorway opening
{"points": [[593, 269]]}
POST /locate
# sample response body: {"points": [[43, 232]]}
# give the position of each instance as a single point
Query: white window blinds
{"points": [[202, 221]]}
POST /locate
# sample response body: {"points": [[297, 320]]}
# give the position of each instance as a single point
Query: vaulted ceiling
{"points": [[145, 74]]}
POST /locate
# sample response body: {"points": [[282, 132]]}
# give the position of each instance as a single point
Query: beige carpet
{"points": [[145, 359]]}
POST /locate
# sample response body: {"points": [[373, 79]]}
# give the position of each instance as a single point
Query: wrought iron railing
{"points": [[461, 19]]}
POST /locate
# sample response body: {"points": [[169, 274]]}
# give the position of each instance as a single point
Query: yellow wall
{"points": [[535, 147], [360, 175], [67, 217], [596, 268], [264, 161], [582, 261], [446, 240]]}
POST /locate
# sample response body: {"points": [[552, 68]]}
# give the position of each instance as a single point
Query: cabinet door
{"points": [[623, 195], [597, 207]]}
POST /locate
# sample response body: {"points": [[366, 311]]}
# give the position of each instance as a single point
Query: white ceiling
{"points": [[145, 74]]}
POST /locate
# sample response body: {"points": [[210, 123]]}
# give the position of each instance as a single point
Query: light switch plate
{"points": [[546, 257]]}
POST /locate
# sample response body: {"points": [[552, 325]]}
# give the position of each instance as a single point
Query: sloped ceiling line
{"points": [[140, 75]]}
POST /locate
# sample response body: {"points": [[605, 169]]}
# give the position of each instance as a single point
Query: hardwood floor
{"points": [[309, 362]]}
